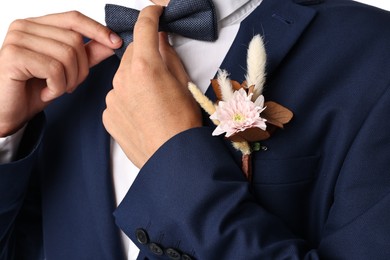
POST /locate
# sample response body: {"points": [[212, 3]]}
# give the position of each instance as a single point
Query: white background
{"points": [[14, 9]]}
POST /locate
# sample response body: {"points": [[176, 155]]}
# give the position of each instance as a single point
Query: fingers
{"points": [[63, 49], [42, 58], [30, 64], [146, 39], [82, 24], [151, 47], [68, 52], [172, 60], [103, 40], [116, 115], [96, 53], [58, 41]]}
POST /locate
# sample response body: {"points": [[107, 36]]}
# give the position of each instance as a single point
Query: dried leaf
{"points": [[217, 89], [250, 135], [251, 89], [276, 114], [236, 85]]}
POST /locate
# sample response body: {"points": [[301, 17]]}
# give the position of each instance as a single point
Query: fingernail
{"points": [[114, 38]]}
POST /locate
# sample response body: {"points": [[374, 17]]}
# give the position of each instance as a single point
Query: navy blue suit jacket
{"points": [[320, 190]]}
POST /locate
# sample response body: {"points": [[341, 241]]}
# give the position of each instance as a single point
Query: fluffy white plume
{"points": [[225, 85], [256, 61], [203, 100]]}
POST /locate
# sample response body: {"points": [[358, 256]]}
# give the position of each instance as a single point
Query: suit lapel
{"points": [[280, 22], [96, 159]]}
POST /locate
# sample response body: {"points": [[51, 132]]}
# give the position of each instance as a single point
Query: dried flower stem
{"points": [[247, 166]]}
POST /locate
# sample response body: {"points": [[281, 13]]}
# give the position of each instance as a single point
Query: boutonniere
{"points": [[241, 112]]}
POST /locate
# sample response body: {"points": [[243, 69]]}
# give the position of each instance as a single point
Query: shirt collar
{"points": [[225, 8], [234, 11]]}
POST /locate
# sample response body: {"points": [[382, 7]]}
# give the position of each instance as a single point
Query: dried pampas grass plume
{"points": [[256, 62]]}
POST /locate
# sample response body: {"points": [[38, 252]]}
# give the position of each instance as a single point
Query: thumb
{"points": [[172, 60], [97, 52]]}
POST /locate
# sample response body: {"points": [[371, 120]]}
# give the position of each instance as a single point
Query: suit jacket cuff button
{"points": [[142, 236], [156, 249], [186, 257], [173, 254]]}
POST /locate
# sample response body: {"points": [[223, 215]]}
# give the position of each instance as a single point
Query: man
{"points": [[320, 187]]}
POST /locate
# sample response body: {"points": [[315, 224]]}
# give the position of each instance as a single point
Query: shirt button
{"points": [[156, 249], [142, 236], [173, 254]]}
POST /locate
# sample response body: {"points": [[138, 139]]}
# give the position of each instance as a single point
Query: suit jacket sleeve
{"points": [[14, 181], [192, 195]]}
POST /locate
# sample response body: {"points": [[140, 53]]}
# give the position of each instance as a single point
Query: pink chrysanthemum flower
{"points": [[239, 113]]}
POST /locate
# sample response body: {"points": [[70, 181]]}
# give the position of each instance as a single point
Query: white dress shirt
{"points": [[201, 60]]}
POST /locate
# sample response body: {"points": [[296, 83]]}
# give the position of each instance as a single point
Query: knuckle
{"points": [[9, 50], [14, 36], [18, 25], [83, 73], [57, 71], [107, 121], [107, 115], [10, 56], [144, 22], [116, 80], [142, 66], [109, 98], [55, 67], [101, 30], [74, 15], [105, 118], [75, 39], [68, 53]]}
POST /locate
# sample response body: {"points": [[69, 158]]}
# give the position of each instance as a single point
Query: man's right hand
{"points": [[45, 57]]}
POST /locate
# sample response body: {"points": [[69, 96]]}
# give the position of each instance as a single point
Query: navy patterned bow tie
{"points": [[194, 19]]}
